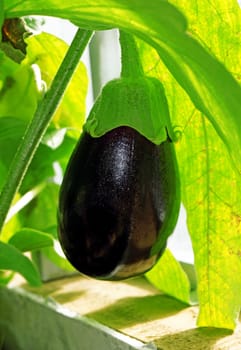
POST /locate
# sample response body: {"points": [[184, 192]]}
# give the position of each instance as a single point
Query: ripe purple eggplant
{"points": [[118, 203]]}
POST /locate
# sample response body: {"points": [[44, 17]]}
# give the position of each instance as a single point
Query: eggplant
{"points": [[118, 203]]}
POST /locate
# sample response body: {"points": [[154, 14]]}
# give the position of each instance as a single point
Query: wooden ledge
{"points": [[138, 310]]}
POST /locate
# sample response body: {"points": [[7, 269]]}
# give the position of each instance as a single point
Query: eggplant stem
{"points": [[130, 59]]}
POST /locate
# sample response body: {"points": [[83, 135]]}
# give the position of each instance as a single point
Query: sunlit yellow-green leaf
{"points": [[211, 188], [212, 197], [205, 166], [216, 26]]}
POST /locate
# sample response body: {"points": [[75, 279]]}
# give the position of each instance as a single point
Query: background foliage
{"points": [[197, 58]]}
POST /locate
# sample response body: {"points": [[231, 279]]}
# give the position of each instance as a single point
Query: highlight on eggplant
{"points": [[118, 203]]}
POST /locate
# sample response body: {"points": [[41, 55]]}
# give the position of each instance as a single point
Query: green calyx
{"points": [[133, 100], [139, 103]]}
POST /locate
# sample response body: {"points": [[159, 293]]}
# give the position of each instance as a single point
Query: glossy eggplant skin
{"points": [[113, 202]]}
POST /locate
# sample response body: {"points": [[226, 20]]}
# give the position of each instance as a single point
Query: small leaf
{"points": [[12, 259], [28, 239], [18, 87], [40, 214], [168, 276]]}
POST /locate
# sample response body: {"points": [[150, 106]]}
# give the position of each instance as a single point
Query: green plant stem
{"points": [[40, 122], [130, 59]]}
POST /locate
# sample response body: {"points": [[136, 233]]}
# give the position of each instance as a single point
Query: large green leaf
{"points": [[216, 241], [212, 197], [12, 259], [212, 89], [210, 187]]}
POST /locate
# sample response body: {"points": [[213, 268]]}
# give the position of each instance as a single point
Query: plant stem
{"points": [[40, 122], [130, 59]]}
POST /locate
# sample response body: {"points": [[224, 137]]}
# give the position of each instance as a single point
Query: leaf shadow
{"points": [[68, 297], [130, 311], [55, 291], [196, 338], [135, 311]]}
